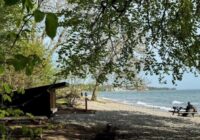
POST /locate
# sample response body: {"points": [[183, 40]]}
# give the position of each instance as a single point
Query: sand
{"points": [[132, 122]]}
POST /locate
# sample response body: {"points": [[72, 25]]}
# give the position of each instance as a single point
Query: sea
{"points": [[157, 99]]}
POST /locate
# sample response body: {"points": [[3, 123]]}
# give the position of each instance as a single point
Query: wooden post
{"points": [[86, 101], [52, 93]]}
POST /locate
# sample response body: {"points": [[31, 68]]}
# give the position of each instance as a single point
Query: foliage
{"points": [[20, 62], [11, 17], [51, 23], [31, 132], [69, 95], [10, 112], [71, 98], [42, 72], [104, 36], [4, 134], [21, 59], [39, 16], [167, 29], [18, 54], [100, 47]]}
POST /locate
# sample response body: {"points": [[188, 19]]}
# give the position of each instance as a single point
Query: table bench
{"points": [[183, 112]]}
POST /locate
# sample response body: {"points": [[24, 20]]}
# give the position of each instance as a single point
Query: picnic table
{"points": [[182, 111]]}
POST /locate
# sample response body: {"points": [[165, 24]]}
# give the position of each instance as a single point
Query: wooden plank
{"points": [[35, 119]]}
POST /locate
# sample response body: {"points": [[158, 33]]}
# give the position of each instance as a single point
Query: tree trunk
{"points": [[94, 93]]}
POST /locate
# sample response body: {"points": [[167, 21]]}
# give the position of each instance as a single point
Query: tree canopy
{"points": [[159, 37], [24, 61], [166, 31]]}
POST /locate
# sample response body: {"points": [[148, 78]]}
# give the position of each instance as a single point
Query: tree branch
{"points": [[21, 29]]}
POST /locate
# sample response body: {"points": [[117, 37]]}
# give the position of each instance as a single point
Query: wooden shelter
{"points": [[39, 101]]}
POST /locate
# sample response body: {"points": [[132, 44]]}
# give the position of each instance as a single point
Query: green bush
{"points": [[32, 133], [71, 99]]}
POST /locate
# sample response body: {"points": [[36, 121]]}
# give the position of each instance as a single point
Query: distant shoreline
{"points": [[146, 89], [160, 88]]}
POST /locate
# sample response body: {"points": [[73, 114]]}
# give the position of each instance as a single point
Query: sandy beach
{"points": [[132, 122]]}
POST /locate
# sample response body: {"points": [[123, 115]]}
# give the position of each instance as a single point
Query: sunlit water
{"points": [[163, 100]]}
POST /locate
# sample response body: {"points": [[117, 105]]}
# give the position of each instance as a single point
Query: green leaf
{"points": [[28, 4], [18, 22], [39, 16], [33, 60], [23, 3], [7, 88], [29, 69], [51, 25], [18, 65], [7, 98], [20, 91], [19, 62], [11, 2], [1, 69], [29, 115]]}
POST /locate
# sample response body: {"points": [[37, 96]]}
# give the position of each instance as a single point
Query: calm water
{"points": [[155, 99]]}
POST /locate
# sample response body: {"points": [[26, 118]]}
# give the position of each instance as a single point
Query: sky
{"points": [[189, 81]]}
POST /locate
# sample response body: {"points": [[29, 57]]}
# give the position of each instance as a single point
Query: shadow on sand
{"points": [[114, 125]]}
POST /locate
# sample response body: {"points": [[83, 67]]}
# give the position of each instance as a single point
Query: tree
{"points": [[11, 16], [42, 74], [97, 46], [19, 57], [26, 54], [22, 61], [168, 29]]}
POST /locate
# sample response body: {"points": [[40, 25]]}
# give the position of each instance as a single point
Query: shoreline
{"points": [[139, 105], [111, 105], [154, 107]]}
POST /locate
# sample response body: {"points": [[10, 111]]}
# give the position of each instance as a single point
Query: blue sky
{"points": [[189, 82]]}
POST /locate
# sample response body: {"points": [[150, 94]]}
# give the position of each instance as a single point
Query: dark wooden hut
{"points": [[39, 101]]}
